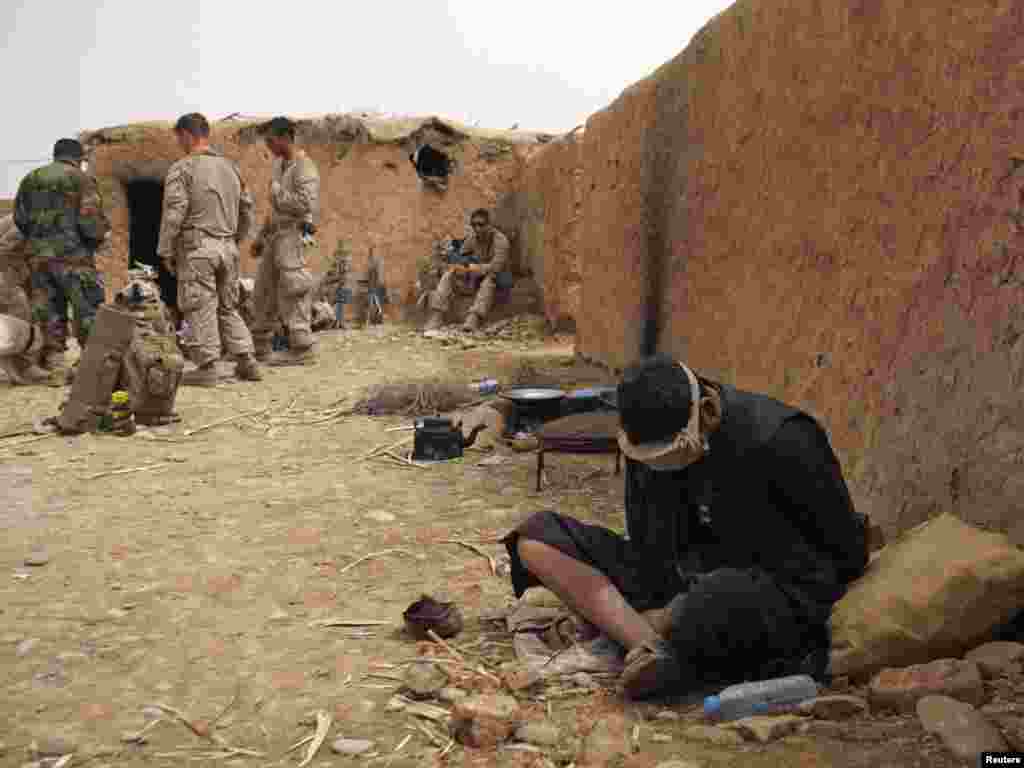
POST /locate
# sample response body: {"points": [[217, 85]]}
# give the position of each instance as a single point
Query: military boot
{"points": [[204, 376], [293, 356], [472, 324], [33, 374], [248, 369], [435, 321]]}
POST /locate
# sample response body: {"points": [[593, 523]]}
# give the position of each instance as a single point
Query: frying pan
{"points": [[531, 395]]}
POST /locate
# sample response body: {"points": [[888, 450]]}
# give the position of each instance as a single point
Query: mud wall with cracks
{"points": [[828, 199]]}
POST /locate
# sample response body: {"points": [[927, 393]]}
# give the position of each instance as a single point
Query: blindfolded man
{"points": [[741, 536]]}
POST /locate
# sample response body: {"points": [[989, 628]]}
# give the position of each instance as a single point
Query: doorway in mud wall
{"points": [[145, 204]]}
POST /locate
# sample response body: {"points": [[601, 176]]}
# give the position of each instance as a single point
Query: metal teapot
{"points": [[438, 439]]}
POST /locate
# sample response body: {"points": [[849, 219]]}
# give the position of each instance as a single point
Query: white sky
{"points": [[545, 64]]}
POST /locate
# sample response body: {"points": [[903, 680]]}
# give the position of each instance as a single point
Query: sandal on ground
{"points": [[651, 669]]}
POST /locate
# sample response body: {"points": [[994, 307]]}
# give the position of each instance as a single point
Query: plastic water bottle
{"points": [[485, 387], [761, 698]]}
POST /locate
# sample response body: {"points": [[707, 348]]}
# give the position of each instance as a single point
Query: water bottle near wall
{"points": [[485, 387], [764, 697]]}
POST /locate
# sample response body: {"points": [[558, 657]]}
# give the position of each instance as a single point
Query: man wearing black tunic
{"points": [[741, 536]]}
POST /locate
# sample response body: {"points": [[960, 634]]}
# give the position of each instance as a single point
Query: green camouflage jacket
{"points": [[59, 209]]}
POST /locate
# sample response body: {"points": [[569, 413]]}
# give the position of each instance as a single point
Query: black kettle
{"points": [[438, 439]]}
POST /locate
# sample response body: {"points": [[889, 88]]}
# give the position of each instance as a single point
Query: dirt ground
{"points": [[194, 582]]}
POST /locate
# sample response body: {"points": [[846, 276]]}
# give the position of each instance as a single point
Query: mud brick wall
{"points": [[545, 210], [617, 270], [370, 193], [831, 196]]}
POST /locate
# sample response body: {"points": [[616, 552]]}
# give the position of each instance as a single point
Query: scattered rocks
{"points": [[900, 689], [661, 738], [37, 557], [380, 516], [710, 734], [666, 714], [679, 764], [765, 729], [858, 733], [963, 729], [351, 746], [24, 648], [834, 707], [485, 720], [451, 695], [1013, 730], [998, 658], [608, 740], [540, 733], [425, 679]]}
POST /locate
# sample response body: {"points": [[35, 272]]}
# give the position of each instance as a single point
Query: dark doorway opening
{"points": [[145, 204]]}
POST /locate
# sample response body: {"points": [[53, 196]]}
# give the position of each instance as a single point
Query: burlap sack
{"points": [[935, 592]]}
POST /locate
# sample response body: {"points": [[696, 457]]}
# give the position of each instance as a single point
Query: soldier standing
{"points": [[59, 210], [490, 246], [207, 213], [284, 284], [15, 287]]}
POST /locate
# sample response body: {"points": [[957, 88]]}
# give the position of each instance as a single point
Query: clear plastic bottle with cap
{"points": [[763, 697]]}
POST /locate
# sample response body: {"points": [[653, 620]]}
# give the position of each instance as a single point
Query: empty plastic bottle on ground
{"points": [[764, 697]]}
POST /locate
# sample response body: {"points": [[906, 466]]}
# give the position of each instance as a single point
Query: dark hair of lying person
{"points": [[481, 213], [193, 123], [654, 399]]}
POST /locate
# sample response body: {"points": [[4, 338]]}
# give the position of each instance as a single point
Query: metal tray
{"points": [[532, 394]]}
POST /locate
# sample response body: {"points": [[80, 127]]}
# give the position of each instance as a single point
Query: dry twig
{"points": [[354, 563], [128, 470], [323, 725], [474, 548], [229, 419], [320, 623]]}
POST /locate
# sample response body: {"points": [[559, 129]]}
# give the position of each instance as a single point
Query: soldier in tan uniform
{"points": [[15, 287], [284, 284], [207, 213], [490, 247]]}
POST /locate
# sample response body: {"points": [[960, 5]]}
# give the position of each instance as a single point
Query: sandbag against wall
{"points": [[933, 593]]}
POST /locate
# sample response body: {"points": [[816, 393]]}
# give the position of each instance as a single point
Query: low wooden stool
{"points": [[594, 432]]}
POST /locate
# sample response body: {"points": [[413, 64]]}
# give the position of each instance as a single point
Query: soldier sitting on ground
{"points": [[490, 248]]}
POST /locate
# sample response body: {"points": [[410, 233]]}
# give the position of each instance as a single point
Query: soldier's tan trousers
{"points": [[208, 301], [441, 297], [283, 293]]}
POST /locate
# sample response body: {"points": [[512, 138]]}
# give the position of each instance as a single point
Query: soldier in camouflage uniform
{"points": [[207, 213], [15, 287], [59, 210], [284, 284], [490, 246]]}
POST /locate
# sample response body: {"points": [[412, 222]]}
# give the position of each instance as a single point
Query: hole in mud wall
{"points": [[431, 163], [145, 203]]}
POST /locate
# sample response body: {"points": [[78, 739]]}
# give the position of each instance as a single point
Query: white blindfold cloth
{"points": [[677, 452]]}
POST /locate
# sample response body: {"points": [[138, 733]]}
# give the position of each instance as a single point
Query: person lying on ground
{"points": [[741, 534]]}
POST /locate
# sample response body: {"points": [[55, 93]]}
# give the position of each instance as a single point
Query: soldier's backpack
{"points": [[153, 365]]}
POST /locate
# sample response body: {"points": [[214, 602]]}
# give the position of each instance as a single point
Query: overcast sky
{"points": [[545, 64]]}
